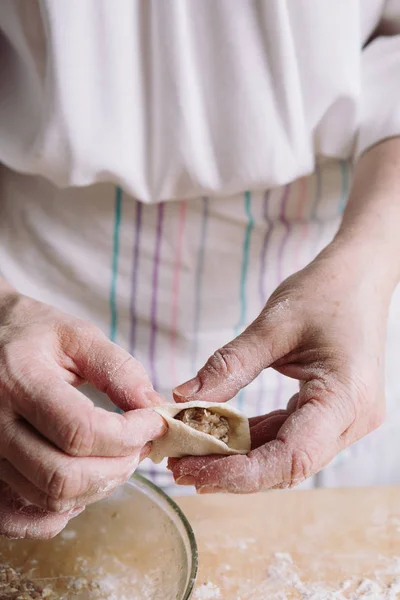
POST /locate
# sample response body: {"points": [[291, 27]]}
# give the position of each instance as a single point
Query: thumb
{"points": [[236, 364]]}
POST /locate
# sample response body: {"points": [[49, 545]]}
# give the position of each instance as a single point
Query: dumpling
{"points": [[201, 428]]}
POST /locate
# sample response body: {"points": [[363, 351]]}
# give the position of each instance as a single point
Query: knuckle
{"points": [[62, 485], [301, 467], [76, 335], [56, 484], [77, 437], [226, 362], [123, 368]]}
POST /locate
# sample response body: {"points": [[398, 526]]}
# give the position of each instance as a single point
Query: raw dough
{"points": [[183, 440]]}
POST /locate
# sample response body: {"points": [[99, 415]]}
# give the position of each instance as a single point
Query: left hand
{"points": [[59, 452], [326, 327]]}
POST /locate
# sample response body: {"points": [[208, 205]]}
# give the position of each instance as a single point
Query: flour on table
{"points": [[95, 584], [283, 573], [283, 581], [207, 591], [226, 542]]}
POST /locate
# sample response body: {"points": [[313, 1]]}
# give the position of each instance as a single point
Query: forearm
{"points": [[370, 229]]}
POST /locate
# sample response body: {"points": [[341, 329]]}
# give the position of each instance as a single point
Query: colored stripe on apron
{"points": [[281, 275], [199, 282], [243, 276], [175, 291], [135, 277], [114, 266], [153, 314]]}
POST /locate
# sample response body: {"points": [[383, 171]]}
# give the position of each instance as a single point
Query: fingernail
{"points": [[188, 389], [210, 489], [185, 480]]}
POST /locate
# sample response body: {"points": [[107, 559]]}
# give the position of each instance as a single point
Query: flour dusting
{"points": [[283, 574], [284, 581], [207, 591]]}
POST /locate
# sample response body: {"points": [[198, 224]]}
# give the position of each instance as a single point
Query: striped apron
{"points": [[172, 282]]}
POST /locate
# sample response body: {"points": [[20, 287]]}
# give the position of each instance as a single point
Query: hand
{"points": [[58, 452], [326, 327]]}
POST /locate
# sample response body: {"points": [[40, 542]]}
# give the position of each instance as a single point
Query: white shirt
{"points": [[181, 98]]}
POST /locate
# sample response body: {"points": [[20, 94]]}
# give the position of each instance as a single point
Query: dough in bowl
{"points": [[201, 428]]}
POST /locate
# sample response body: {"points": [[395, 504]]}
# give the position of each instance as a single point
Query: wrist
{"points": [[366, 260], [369, 233]]}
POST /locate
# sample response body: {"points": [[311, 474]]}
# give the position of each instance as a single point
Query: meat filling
{"points": [[206, 421], [14, 586]]}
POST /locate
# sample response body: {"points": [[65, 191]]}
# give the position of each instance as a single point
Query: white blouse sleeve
{"points": [[380, 100]]}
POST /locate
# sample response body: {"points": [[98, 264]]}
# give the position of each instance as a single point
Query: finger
{"points": [[60, 477], [235, 365], [255, 420], [171, 463], [306, 442], [293, 403], [21, 486], [262, 429], [108, 367], [71, 421], [21, 521], [185, 470], [267, 430]]}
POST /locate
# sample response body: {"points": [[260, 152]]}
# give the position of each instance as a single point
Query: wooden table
{"points": [[316, 545]]}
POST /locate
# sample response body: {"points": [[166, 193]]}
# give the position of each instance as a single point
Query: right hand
{"points": [[58, 452]]}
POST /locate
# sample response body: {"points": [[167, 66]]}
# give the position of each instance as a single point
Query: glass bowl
{"points": [[135, 545]]}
